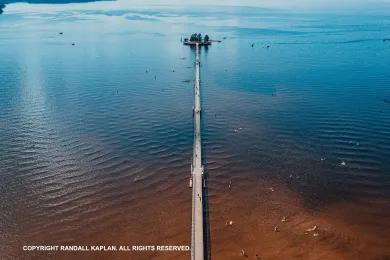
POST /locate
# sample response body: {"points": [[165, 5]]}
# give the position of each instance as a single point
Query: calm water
{"points": [[96, 138]]}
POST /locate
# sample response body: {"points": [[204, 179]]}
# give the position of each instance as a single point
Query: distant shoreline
{"points": [[5, 2], [50, 1]]}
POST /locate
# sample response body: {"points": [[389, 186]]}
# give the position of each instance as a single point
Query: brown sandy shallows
{"points": [[160, 215], [268, 219], [270, 222], [157, 211]]}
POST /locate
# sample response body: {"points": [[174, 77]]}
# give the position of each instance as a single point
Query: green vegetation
{"points": [[197, 38]]}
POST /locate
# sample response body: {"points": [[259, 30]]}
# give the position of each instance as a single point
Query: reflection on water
{"points": [[96, 138]]}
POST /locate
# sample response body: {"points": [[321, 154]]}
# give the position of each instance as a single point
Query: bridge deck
{"points": [[197, 249]]}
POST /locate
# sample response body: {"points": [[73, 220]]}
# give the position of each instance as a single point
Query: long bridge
{"points": [[197, 180]]}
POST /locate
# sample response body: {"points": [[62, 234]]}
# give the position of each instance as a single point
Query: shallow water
{"points": [[96, 138]]}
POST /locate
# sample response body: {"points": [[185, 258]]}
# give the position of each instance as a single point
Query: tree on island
{"points": [[196, 37]]}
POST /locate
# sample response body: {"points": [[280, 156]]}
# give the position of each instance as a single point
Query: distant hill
{"points": [[47, 1], [4, 2]]}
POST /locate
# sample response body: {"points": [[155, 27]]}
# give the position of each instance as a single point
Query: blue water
{"points": [[92, 133]]}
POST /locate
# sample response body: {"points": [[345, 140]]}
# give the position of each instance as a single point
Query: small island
{"points": [[197, 38]]}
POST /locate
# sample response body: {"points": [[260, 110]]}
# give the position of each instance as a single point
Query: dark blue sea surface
{"points": [[96, 128]]}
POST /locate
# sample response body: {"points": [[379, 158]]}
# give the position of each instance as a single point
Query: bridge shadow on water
{"points": [[206, 216]]}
